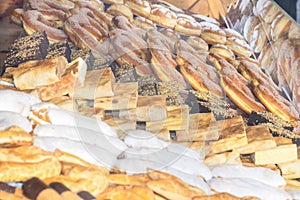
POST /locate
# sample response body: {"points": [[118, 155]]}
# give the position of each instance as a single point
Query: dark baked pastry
{"points": [[86, 55], [59, 49]]}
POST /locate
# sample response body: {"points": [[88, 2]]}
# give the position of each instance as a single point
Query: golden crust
{"points": [[163, 16], [197, 43], [15, 136], [223, 51], [188, 27], [120, 9], [139, 7], [280, 26], [212, 34]]}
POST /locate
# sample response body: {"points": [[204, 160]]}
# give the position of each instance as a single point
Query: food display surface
{"points": [[136, 99]]}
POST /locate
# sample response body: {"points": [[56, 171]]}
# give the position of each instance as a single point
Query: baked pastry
{"points": [[120, 9], [249, 26], [32, 74], [110, 2], [19, 51], [223, 51], [236, 88], [59, 49], [16, 16], [34, 21], [294, 32], [212, 34], [280, 26], [139, 7], [73, 77], [86, 54], [197, 43], [187, 26], [144, 23], [85, 31], [259, 37], [163, 16], [15, 136], [267, 10], [204, 18]]}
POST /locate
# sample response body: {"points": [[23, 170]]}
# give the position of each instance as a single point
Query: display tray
{"points": [[129, 101]]}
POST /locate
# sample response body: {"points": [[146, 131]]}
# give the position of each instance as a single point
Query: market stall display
{"points": [[144, 100]]}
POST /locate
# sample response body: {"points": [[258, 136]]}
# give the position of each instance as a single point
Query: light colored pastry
{"points": [[204, 18], [110, 2], [120, 9], [267, 10], [188, 26], [249, 26], [212, 34], [139, 7], [280, 26], [294, 31], [259, 37], [72, 78], [33, 74], [163, 16]]}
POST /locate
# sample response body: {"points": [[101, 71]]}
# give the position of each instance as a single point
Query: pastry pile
{"points": [[141, 100]]}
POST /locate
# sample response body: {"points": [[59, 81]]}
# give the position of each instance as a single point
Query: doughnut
{"points": [[280, 26], [170, 35], [254, 74], [259, 37], [33, 21], [166, 37], [169, 6], [188, 26], [238, 46], [235, 87], [249, 26], [187, 52], [120, 9], [139, 7], [203, 18], [84, 31], [144, 23], [197, 43], [16, 16], [223, 51], [232, 33], [163, 16], [276, 103], [212, 34]]}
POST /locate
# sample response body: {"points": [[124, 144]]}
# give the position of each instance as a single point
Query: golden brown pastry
{"points": [[212, 34], [197, 43], [72, 78], [84, 30], [119, 193], [144, 23], [236, 88], [34, 21], [188, 26], [294, 31], [120, 9], [280, 26], [223, 51], [110, 2], [32, 74], [15, 136], [139, 7], [163, 16]]}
